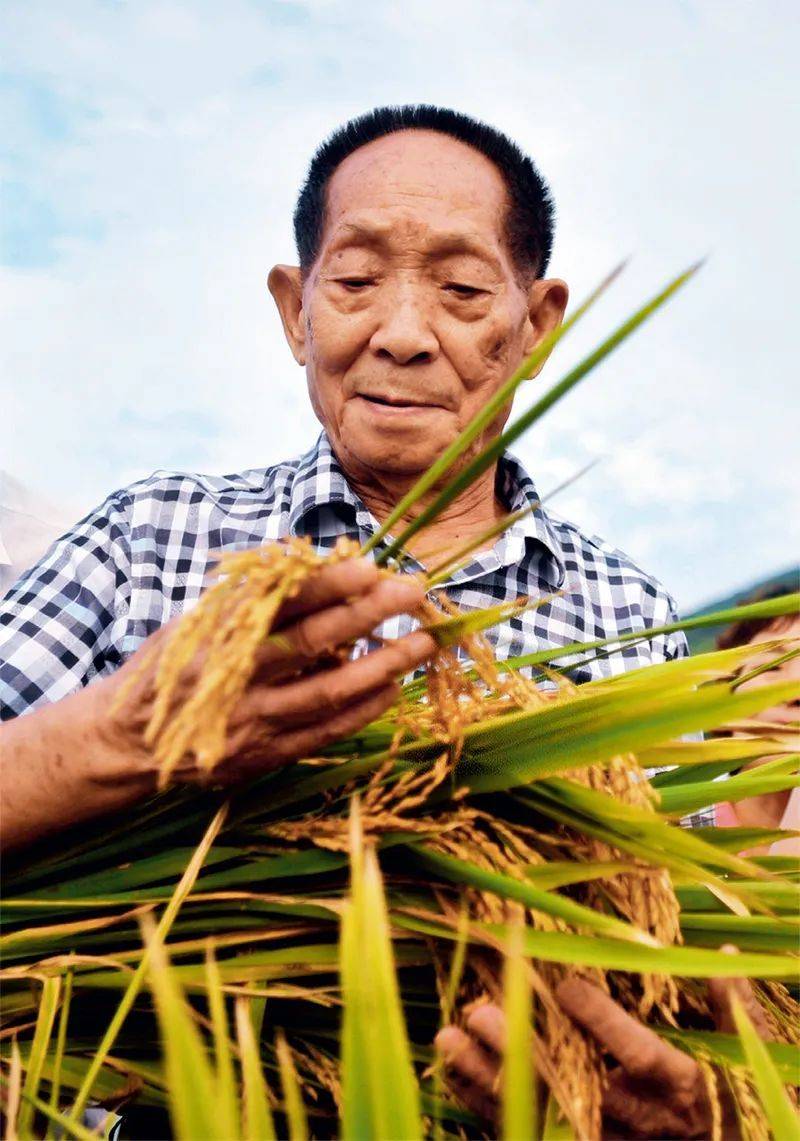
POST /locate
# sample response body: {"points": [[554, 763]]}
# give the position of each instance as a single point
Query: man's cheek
{"points": [[334, 341], [488, 356]]}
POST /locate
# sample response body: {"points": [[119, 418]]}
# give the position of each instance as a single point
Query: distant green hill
{"points": [[701, 640]]}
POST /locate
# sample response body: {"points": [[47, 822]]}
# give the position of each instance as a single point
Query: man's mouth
{"points": [[394, 402]]}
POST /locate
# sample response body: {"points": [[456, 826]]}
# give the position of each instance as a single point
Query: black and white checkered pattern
{"points": [[142, 557]]}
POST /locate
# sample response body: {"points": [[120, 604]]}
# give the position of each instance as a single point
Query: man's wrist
{"points": [[115, 747], [64, 763]]}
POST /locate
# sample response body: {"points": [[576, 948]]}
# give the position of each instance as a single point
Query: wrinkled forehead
{"points": [[413, 183]]}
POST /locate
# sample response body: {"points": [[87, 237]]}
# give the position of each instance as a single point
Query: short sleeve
{"points": [[59, 622]]}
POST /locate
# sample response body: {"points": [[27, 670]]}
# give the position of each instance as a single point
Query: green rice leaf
{"points": [[727, 1050], [356, 1089], [191, 1082], [490, 454], [519, 1103], [737, 839], [225, 1096], [554, 1129], [692, 757], [767, 608], [134, 985], [257, 1123], [61, 1037], [485, 416], [380, 1094], [633, 827], [615, 955], [775, 895], [48, 1005], [771, 777], [748, 932], [546, 902], [779, 1111], [563, 873], [292, 1096], [596, 727]]}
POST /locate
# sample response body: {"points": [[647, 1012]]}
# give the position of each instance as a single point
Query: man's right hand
{"points": [[86, 754], [301, 697]]}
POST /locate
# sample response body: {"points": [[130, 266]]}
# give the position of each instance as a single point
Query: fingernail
{"points": [[406, 588], [420, 644], [362, 569]]}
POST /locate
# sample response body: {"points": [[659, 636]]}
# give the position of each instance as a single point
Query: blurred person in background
{"points": [[771, 809]]}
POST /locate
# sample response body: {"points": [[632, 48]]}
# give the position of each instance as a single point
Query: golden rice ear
{"points": [[490, 805], [231, 621]]}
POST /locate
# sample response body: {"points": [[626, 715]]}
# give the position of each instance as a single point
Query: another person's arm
{"points": [[770, 810]]}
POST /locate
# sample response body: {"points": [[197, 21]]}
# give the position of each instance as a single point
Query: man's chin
{"points": [[402, 445], [408, 462]]}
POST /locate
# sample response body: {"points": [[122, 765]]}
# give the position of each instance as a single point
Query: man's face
{"points": [[413, 314]]}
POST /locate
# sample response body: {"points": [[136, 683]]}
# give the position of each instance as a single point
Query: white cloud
{"points": [[169, 139]]}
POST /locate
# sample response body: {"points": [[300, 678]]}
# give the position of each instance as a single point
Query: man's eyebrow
{"points": [[360, 234], [443, 243]]}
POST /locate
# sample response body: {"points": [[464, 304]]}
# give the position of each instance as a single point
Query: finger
{"points": [[336, 625], [721, 992], [487, 1023], [638, 1050], [468, 1061], [316, 718], [483, 1105], [309, 741], [644, 1116], [329, 585], [320, 694], [251, 755]]}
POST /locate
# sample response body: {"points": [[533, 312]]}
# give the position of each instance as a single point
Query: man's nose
{"points": [[404, 332]]}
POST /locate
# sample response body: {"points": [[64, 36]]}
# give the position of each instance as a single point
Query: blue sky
{"points": [[151, 153]]}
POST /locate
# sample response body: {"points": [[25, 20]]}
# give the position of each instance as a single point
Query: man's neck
{"points": [[464, 520]]}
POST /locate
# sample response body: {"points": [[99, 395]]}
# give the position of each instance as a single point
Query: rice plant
{"points": [[277, 961]]}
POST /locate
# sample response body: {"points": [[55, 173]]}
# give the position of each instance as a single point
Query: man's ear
{"points": [[287, 292], [547, 303]]}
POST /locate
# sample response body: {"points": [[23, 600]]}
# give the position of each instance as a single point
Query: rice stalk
{"points": [[481, 809]]}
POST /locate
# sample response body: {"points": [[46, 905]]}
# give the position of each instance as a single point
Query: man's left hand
{"points": [[656, 1090]]}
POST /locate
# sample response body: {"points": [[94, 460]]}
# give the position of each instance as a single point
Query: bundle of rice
{"points": [[516, 833]]}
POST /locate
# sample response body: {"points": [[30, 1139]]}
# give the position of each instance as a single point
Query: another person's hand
{"points": [[302, 697], [655, 1090]]}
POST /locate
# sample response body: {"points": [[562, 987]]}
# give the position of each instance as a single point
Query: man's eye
{"points": [[461, 290], [356, 282]]}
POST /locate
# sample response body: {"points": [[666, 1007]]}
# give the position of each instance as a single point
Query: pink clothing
{"points": [[790, 822], [725, 815]]}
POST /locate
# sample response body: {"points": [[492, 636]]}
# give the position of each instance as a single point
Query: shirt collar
{"points": [[518, 491], [320, 484]]}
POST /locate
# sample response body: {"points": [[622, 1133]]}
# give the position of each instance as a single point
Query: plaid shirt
{"points": [[143, 556]]}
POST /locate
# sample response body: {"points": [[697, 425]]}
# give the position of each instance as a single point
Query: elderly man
{"points": [[423, 241]]}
